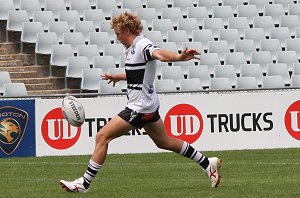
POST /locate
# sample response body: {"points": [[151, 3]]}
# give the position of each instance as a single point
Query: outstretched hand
{"points": [[111, 78], [188, 54]]}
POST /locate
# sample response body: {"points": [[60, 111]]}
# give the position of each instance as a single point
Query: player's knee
{"points": [[101, 138], [163, 145]]}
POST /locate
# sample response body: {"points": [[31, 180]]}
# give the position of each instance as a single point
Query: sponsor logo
{"points": [[292, 120], [57, 132], [185, 122], [248, 122], [13, 123]]}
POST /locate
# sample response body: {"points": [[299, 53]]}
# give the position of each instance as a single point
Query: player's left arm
{"points": [[169, 56]]}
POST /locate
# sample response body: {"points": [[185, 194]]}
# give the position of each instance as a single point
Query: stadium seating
{"points": [[240, 33], [202, 73], [274, 69], [104, 63], [262, 58], [290, 21], [220, 84], [287, 57], [44, 17], [106, 6], [275, 11], [203, 36], [223, 12], [220, 47], [236, 59], [178, 37], [44, 42], [275, 81], [183, 5], [239, 23], [285, 3], [214, 24], [60, 53], [210, 60], [154, 36], [30, 6], [265, 22], [165, 85], [80, 6], [15, 20], [6, 5], [280, 33], [85, 27], [29, 32], [69, 16], [157, 4], [248, 11], [173, 72], [255, 34], [105, 88], [147, 14], [94, 15], [247, 46], [229, 35], [74, 68], [252, 70], [208, 4], [59, 27], [246, 83], [271, 45], [199, 13], [73, 38], [4, 78], [115, 50], [226, 71], [260, 4], [188, 25], [295, 80], [133, 5], [90, 51], [162, 25], [90, 79], [294, 9], [191, 84], [55, 6], [14, 90]]}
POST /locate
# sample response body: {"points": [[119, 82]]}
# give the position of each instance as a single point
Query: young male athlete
{"points": [[143, 104]]}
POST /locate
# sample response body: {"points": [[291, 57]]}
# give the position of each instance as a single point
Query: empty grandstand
{"points": [[35, 35]]}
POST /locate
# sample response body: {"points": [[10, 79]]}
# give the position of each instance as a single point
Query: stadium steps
{"points": [[54, 91], [22, 68], [48, 83]]}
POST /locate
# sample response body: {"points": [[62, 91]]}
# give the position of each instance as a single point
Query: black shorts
{"points": [[138, 120]]}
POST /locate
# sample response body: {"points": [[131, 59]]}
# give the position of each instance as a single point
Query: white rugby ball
{"points": [[73, 111]]}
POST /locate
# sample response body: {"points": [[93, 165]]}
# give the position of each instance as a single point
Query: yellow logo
{"points": [[9, 130]]}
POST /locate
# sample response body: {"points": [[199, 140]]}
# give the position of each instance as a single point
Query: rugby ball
{"points": [[73, 111]]}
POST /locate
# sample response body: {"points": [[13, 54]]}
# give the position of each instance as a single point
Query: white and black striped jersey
{"points": [[140, 69]]}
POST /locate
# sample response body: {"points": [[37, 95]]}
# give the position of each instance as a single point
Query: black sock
{"points": [[188, 151]]}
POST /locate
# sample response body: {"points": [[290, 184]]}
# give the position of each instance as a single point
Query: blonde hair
{"points": [[128, 21]]}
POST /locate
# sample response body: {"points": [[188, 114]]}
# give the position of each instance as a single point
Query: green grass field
{"points": [[250, 173]]}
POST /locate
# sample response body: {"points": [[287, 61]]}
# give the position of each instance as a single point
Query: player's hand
{"points": [[188, 54], [111, 78]]}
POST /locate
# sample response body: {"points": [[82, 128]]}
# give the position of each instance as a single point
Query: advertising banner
{"points": [[210, 121], [17, 128]]}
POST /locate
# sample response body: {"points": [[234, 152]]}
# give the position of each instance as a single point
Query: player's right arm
{"points": [[114, 78]]}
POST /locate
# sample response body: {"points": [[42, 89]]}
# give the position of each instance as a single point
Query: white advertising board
{"points": [[210, 121]]}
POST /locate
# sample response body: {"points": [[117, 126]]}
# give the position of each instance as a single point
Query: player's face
{"points": [[121, 36]]}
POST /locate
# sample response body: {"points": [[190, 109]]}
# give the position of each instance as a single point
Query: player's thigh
{"points": [[114, 128]]}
